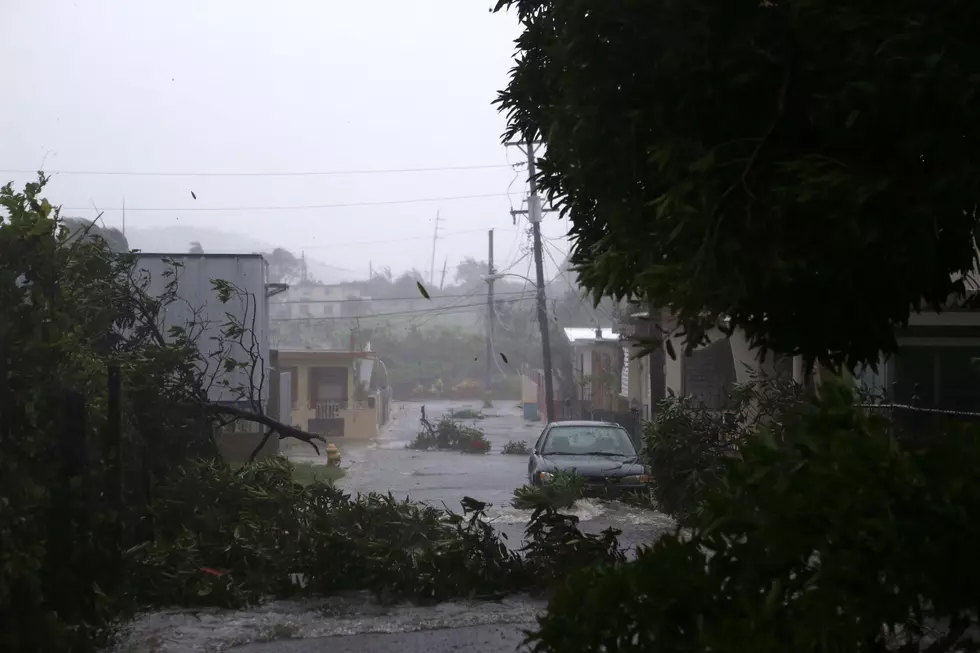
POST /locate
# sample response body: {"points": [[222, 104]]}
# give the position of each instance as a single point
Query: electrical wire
{"points": [[594, 310], [319, 173], [380, 299], [288, 208], [443, 310], [396, 313]]}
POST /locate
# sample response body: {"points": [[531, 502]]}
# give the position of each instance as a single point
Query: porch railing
{"points": [[331, 409]]}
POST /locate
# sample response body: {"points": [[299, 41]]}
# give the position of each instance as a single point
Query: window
{"points": [[327, 384], [588, 440], [937, 377]]}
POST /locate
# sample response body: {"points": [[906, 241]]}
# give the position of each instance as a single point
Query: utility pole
{"points": [[442, 279], [490, 318], [432, 263], [534, 217]]}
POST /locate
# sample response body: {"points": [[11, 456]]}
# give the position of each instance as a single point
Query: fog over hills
{"points": [[178, 238]]}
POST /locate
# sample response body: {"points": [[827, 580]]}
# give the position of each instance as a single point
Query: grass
{"points": [[306, 473]]}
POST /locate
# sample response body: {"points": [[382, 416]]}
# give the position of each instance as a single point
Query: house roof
{"points": [[586, 334], [328, 352]]}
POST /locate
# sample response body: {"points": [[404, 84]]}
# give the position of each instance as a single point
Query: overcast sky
{"points": [[217, 86]]}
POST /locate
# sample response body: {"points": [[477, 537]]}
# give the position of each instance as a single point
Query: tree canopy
{"points": [[808, 170]]}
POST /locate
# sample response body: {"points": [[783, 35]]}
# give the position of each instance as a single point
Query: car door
{"points": [[532, 463]]}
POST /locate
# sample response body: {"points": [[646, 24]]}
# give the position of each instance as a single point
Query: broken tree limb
{"points": [[273, 426]]}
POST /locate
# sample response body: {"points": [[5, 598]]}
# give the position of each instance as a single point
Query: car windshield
{"points": [[588, 440]]}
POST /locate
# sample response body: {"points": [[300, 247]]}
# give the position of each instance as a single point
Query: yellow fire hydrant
{"points": [[333, 456]]}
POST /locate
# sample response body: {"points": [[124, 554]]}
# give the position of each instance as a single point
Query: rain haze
{"points": [[200, 89]]}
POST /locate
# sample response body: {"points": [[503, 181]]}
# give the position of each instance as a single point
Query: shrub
{"points": [[465, 413], [234, 537], [686, 444], [516, 448], [827, 537], [560, 493], [447, 434]]}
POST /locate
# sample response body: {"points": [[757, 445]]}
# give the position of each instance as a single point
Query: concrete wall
{"points": [[199, 303]]}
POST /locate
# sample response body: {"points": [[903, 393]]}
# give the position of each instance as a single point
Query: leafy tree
{"points": [[809, 170], [283, 265], [80, 227], [196, 248], [73, 309], [470, 272]]}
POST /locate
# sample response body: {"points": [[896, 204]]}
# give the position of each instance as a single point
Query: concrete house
{"points": [[937, 365], [198, 304], [332, 392]]}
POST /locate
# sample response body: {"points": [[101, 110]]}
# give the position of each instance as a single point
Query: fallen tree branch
{"points": [[273, 426]]}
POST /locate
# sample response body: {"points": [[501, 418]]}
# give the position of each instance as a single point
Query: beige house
{"points": [[330, 393]]}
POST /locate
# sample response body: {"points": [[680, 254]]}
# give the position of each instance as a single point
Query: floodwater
{"points": [[438, 478]]}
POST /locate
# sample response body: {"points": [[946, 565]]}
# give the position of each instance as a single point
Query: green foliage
{"points": [[559, 493], [78, 464], [686, 446], [69, 308], [828, 537], [516, 448], [230, 538], [305, 473], [790, 166], [449, 435], [465, 413]]}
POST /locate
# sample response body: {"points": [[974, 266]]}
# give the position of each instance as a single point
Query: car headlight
{"points": [[545, 477], [636, 480]]}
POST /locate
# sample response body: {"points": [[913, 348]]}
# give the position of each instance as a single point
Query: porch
{"points": [[330, 395]]}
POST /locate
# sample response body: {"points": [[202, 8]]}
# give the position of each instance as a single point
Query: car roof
{"points": [[583, 422]]}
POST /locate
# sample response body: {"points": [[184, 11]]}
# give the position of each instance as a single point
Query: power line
{"points": [[395, 240], [289, 208], [458, 308], [443, 310], [386, 299], [319, 173]]}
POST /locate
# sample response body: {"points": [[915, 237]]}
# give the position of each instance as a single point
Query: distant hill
{"points": [[179, 238]]}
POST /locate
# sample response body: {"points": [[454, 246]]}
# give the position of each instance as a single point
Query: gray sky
{"points": [[206, 86]]}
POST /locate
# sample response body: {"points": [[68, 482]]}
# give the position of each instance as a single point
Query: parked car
{"points": [[601, 453]]}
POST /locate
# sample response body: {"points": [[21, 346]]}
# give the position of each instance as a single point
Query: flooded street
{"points": [[444, 478], [354, 622]]}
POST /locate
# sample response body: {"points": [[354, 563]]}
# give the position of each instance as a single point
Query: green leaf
{"points": [[422, 290]]}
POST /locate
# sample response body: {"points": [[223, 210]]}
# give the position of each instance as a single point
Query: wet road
{"points": [[354, 622], [443, 478]]}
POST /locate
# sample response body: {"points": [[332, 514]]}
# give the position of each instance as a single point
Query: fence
{"points": [[915, 424]]}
